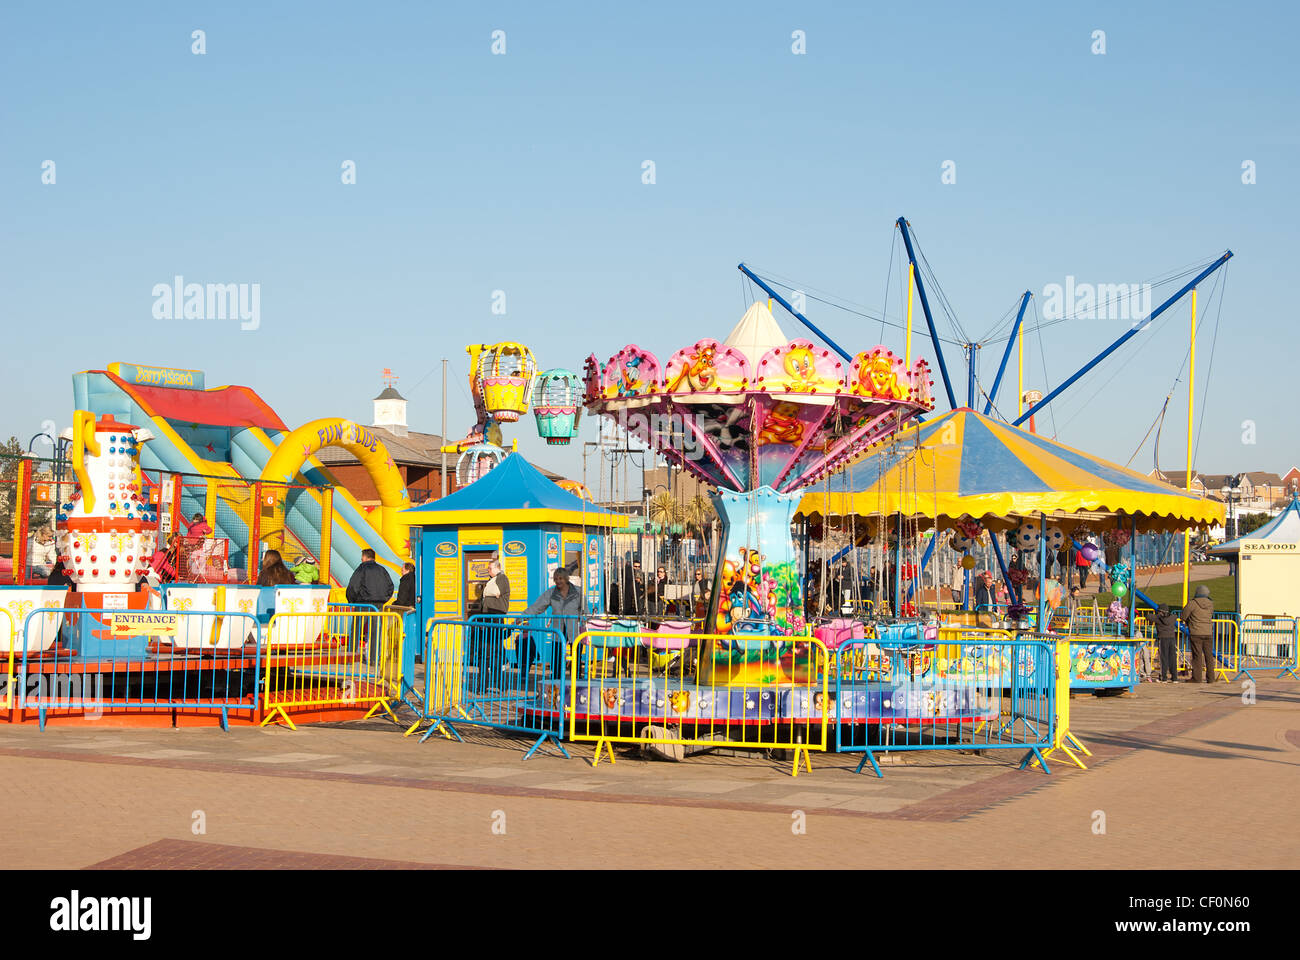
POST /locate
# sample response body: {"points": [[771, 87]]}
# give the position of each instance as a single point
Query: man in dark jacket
{"points": [[1199, 617], [1167, 637], [984, 598], [634, 589], [370, 582]]}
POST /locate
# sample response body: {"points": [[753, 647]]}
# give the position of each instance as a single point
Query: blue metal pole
{"points": [[970, 375], [1006, 354], [795, 313], [1002, 564], [925, 559], [1122, 340], [929, 318]]}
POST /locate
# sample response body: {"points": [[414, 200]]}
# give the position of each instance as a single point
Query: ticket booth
{"points": [[517, 515]]}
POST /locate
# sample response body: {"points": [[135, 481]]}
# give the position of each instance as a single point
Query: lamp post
{"points": [[1231, 491]]}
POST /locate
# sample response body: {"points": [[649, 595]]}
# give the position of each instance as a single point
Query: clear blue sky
{"points": [[522, 173]]}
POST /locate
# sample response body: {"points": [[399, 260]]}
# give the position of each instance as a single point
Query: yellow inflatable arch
{"points": [[363, 444]]}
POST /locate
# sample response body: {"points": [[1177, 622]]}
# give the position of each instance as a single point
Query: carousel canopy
{"points": [[1284, 528], [756, 333], [966, 465], [514, 492]]}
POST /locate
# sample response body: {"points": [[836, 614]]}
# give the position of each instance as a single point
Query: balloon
{"points": [[1027, 535], [1119, 589], [960, 543], [1090, 552], [968, 563], [1055, 538]]}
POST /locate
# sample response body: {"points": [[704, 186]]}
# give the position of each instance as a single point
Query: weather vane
{"points": [[390, 378]]}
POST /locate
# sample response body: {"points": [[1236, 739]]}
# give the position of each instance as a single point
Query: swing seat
{"points": [[836, 632], [664, 642]]}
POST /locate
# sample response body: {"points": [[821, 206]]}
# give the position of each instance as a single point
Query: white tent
{"points": [[756, 333]]}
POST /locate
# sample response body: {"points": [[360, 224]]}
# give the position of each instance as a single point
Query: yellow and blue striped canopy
{"points": [[964, 464]]}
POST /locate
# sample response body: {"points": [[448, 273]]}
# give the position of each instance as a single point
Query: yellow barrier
{"points": [[1227, 649], [444, 668], [346, 659], [615, 696], [11, 679], [1062, 738]]}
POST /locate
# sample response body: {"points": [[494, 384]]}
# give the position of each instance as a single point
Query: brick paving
{"points": [[361, 792], [191, 855]]}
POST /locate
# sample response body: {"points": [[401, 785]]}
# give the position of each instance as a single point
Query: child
{"points": [[1167, 638]]}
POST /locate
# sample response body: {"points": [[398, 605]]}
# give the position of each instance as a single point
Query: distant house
{"points": [[1258, 491], [1291, 479], [1179, 479], [1262, 492]]}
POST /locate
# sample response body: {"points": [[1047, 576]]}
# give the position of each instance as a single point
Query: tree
{"points": [[699, 516], [1251, 522], [10, 455], [665, 510]]}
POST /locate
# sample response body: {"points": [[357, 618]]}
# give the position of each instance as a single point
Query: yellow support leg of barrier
{"points": [[380, 705], [272, 715], [603, 744], [807, 759]]}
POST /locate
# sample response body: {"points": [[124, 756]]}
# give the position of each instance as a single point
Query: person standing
{"points": [[1199, 617], [370, 583], [700, 595], [488, 652], [1083, 564], [633, 590], [405, 598], [1167, 639], [198, 527], [657, 591], [984, 602], [496, 590], [564, 602]]}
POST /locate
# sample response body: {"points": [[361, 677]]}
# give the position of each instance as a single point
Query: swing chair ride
{"points": [[770, 422]]}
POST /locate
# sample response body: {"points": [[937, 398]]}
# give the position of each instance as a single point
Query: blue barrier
{"points": [[990, 694], [1267, 643], [150, 660], [503, 673]]}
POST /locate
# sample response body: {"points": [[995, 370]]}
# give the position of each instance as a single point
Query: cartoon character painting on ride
{"points": [[760, 417]]}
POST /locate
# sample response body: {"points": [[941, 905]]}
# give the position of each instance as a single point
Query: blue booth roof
{"points": [[514, 491]]}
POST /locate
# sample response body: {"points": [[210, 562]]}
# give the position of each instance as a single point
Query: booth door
{"points": [[476, 574], [573, 558]]}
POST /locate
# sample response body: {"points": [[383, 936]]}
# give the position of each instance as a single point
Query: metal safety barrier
{"points": [[507, 673], [1268, 643], [972, 690], [90, 662], [9, 629], [748, 691], [338, 658], [1227, 649]]}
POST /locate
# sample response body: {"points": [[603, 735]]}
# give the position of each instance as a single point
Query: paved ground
{"points": [[1185, 776]]}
